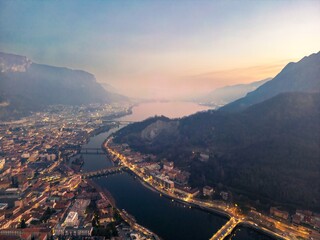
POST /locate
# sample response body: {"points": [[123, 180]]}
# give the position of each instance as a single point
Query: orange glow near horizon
{"points": [[163, 49], [195, 85]]}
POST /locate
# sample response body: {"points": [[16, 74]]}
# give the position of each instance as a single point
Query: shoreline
{"points": [[130, 220], [209, 210], [106, 194], [264, 231], [191, 204], [165, 194]]}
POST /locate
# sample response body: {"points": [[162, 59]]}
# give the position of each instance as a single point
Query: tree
{"points": [[95, 220], [23, 223]]}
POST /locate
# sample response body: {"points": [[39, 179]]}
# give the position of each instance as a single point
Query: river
{"points": [[170, 220]]}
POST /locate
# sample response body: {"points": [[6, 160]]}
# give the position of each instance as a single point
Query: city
{"points": [[45, 193], [42, 194], [159, 120]]}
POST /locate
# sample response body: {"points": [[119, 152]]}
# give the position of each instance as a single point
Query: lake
{"points": [[168, 109]]}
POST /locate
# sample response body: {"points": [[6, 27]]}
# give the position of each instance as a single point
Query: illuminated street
{"points": [[280, 229]]}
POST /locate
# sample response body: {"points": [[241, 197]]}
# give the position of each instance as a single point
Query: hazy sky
{"points": [[163, 48]]}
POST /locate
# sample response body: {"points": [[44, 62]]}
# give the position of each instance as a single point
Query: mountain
{"points": [[224, 95], [108, 87], [26, 86], [13, 63], [301, 76], [267, 151]]}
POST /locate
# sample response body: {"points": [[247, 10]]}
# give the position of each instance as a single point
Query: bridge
{"points": [[226, 229], [91, 151], [102, 172], [119, 121]]}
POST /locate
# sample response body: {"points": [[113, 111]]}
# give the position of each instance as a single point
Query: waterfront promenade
{"points": [[279, 231], [123, 214]]}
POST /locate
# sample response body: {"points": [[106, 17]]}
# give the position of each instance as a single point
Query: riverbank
{"points": [[172, 220], [146, 185], [258, 229], [105, 194], [172, 197], [211, 207], [131, 192]]}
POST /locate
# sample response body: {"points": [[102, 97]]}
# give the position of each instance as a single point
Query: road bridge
{"points": [[92, 151], [118, 121], [226, 229], [102, 172]]}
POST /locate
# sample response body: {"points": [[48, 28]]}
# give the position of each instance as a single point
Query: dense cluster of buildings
{"points": [[305, 217], [162, 173], [165, 175], [41, 196]]}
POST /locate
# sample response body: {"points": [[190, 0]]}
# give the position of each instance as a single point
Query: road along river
{"points": [[169, 220]]}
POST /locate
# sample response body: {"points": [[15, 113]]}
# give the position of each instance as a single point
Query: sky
{"points": [[163, 49]]}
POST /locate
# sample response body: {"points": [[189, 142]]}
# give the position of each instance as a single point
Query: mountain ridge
{"points": [[303, 75], [227, 94], [266, 148], [29, 86], [276, 140]]}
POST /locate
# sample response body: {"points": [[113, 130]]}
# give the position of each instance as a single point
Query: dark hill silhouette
{"points": [[28, 86], [303, 76], [269, 150]]}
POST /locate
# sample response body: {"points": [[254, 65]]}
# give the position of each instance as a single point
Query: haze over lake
{"points": [[168, 109]]}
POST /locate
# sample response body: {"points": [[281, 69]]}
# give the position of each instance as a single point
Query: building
{"points": [[80, 206], [168, 166], [2, 163], [5, 171], [224, 195], [278, 213], [182, 178], [303, 213], [187, 191], [71, 231], [26, 233], [296, 219], [51, 157], [153, 167], [12, 192], [81, 231], [164, 181], [4, 184], [314, 234], [204, 157], [72, 219], [208, 191]]}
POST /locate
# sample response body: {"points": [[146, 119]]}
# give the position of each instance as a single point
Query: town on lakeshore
{"points": [[159, 120], [44, 194]]}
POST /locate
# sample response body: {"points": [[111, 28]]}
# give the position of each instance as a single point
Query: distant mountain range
{"points": [[26, 86], [301, 76], [225, 95], [267, 147]]}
